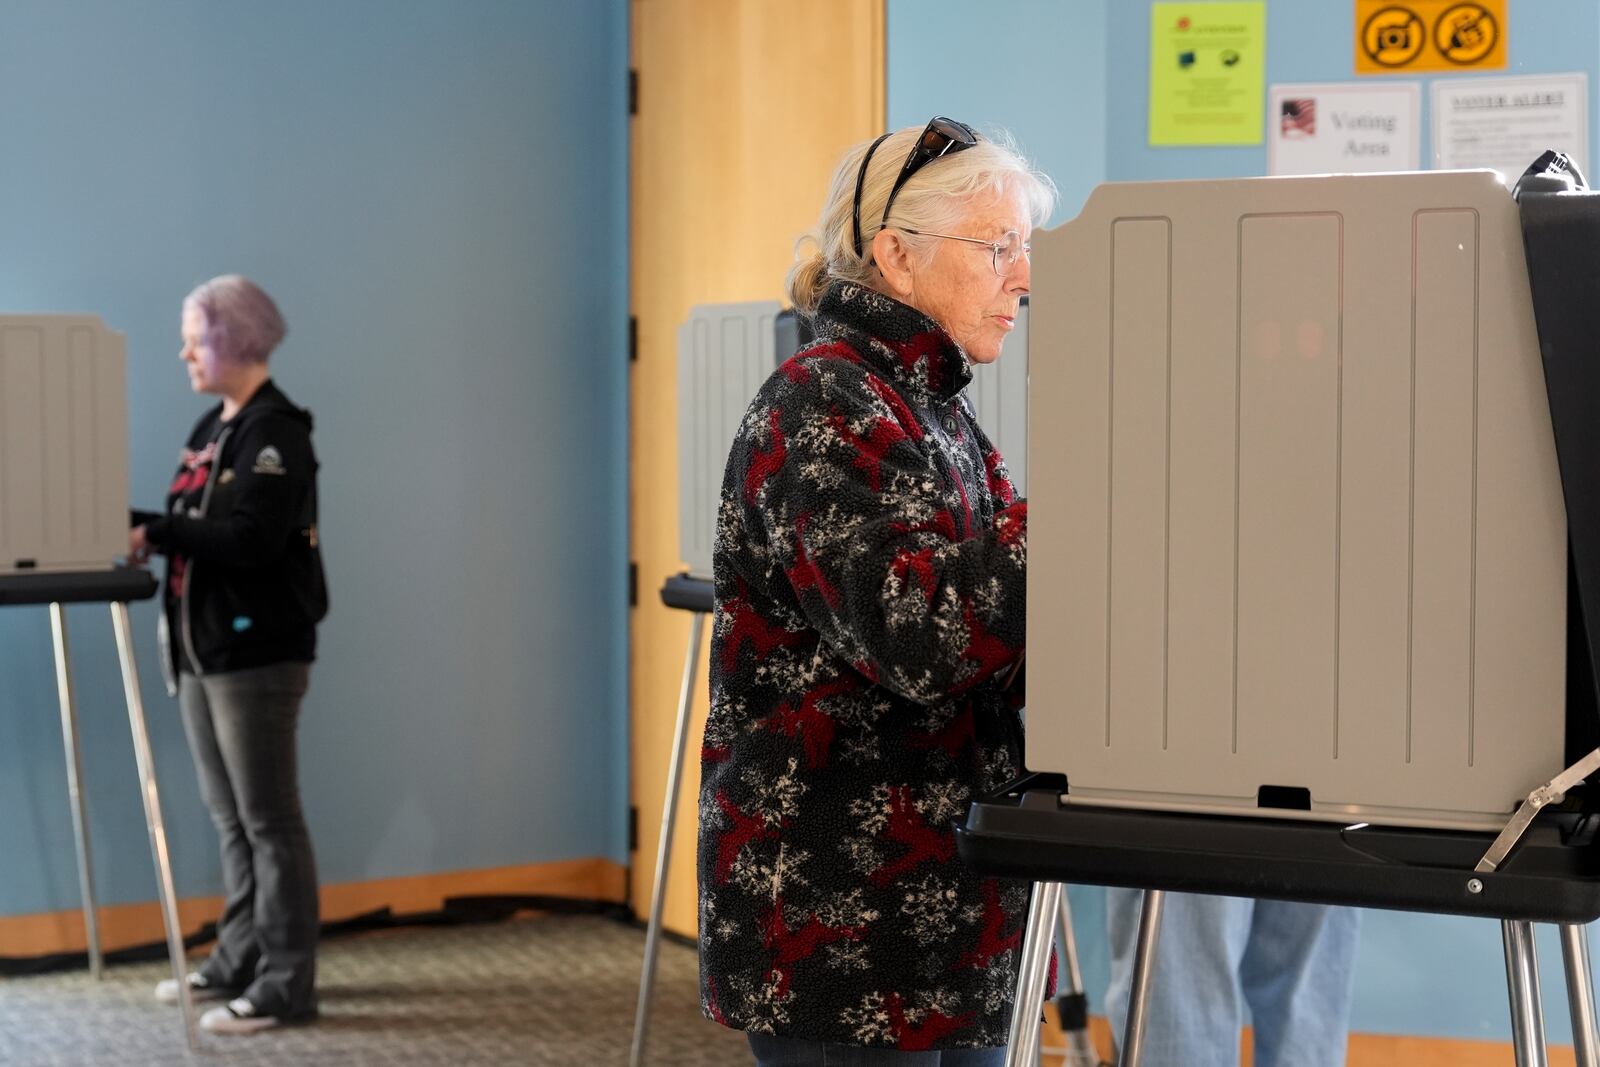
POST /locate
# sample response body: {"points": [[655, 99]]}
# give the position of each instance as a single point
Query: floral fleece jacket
{"points": [[869, 564]]}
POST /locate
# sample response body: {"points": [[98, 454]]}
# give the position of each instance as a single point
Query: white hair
{"points": [[934, 199]]}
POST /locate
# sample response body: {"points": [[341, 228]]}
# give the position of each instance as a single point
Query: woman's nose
{"points": [[1020, 280]]}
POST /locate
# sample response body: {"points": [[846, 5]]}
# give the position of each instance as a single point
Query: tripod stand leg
{"points": [[1139, 989], [1071, 1003], [1522, 981], [152, 815], [1022, 1049], [80, 824], [1580, 993], [669, 818]]}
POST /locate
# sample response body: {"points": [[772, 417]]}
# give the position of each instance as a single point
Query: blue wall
{"points": [[1071, 79], [435, 193], [1036, 68], [1312, 41]]}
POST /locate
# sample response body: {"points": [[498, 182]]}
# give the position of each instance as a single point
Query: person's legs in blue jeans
{"points": [[1195, 1006], [1298, 978], [798, 1052]]}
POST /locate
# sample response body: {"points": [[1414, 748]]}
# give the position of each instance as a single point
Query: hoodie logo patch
{"points": [[268, 461]]}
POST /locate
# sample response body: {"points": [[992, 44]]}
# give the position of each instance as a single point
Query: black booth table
{"points": [[115, 587], [1551, 874]]}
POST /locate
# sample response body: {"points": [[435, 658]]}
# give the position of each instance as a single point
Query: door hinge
{"points": [[633, 584], [633, 92], [633, 338], [633, 829]]}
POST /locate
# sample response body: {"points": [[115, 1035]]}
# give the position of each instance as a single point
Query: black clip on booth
{"points": [[1543, 867]]}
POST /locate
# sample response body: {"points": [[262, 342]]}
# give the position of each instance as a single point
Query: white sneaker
{"points": [[199, 989], [238, 1016]]}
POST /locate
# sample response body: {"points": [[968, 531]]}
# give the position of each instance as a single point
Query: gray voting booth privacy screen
{"points": [[63, 444], [999, 395], [725, 353], [1295, 520]]}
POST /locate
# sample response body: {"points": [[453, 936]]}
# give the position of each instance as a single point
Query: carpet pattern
{"points": [[538, 991]]}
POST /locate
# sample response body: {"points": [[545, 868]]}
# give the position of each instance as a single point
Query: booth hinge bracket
{"points": [[1541, 798]]}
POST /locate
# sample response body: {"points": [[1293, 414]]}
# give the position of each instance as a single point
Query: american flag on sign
{"points": [[1298, 118]]}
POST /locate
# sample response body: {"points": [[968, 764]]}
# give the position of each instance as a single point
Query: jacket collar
{"points": [[902, 343], [267, 397]]}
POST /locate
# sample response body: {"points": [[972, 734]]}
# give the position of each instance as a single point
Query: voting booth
{"points": [[63, 525], [1298, 524], [1298, 613], [999, 397], [726, 352], [63, 444]]}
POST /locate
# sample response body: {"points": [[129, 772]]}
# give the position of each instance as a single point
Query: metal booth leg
{"points": [[1022, 1049], [80, 824], [1143, 963], [1070, 1002], [1580, 993], [152, 814], [1522, 981], [652, 937]]}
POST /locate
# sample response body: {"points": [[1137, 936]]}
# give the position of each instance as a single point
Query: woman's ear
{"points": [[893, 260]]}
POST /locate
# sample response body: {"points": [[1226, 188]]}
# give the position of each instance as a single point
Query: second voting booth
{"points": [[63, 524]]}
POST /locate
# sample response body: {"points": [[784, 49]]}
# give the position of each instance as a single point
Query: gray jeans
{"points": [[241, 727]]}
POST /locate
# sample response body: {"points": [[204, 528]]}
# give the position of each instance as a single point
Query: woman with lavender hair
{"points": [[244, 592]]}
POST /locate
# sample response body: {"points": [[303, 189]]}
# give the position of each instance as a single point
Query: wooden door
{"points": [[745, 106]]}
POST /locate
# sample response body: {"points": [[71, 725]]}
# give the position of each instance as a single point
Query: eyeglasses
{"points": [[940, 137], [1006, 251]]}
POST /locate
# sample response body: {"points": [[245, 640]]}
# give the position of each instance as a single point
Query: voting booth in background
{"points": [[726, 352], [63, 444], [63, 525], [1298, 613]]}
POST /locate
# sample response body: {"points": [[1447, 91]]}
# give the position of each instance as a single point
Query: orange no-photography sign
{"points": [[1411, 36]]}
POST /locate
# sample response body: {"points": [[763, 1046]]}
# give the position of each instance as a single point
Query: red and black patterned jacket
{"points": [[869, 565]]}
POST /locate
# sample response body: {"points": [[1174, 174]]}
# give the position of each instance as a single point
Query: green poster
{"points": [[1207, 72]]}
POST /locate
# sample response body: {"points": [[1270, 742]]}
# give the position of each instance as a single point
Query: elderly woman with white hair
{"points": [[243, 594], [869, 568]]}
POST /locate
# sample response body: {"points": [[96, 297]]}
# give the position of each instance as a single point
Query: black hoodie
{"points": [[245, 586]]}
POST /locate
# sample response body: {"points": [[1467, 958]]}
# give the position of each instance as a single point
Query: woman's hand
{"points": [[138, 547]]}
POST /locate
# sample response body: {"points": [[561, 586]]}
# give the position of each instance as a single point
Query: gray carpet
{"points": [[532, 991]]}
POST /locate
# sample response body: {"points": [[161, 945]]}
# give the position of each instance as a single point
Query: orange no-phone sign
{"points": [[1411, 36]]}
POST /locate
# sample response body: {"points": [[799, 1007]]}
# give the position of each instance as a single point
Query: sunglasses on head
{"points": [[940, 137]]}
